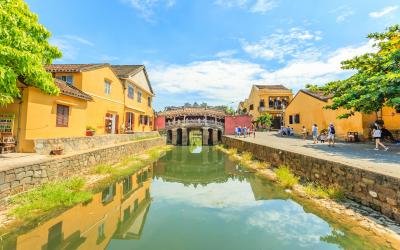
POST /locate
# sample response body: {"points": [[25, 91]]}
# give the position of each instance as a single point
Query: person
{"points": [[322, 137], [291, 131], [377, 134], [314, 131], [304, 132], [239, 130], [244, 131], [331, 135], [236, 131]]}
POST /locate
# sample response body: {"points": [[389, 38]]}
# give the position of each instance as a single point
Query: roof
{"points": [[126, 71], [73, 68], [316, 94], [272, 87], [72, 91]]}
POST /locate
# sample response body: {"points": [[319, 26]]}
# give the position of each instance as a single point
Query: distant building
{"points": [[270, 99]]}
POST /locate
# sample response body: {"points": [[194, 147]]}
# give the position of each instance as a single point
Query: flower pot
{"points": [[90, 133], [57, 151]]}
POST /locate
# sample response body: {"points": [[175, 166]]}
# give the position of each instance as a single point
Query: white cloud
{"points": [[226, 53], [255, 6], [295, 43], [146, 8], [227, 79], [343, 13], [70, 45], [384, 12], [79, 39]]}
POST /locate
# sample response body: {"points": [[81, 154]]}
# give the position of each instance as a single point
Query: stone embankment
{"points": [[22, 177], [377, 191]]}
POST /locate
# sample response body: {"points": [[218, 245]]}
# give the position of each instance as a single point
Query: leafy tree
{"points": [[376, 82], [24, 49], [265, 120]]}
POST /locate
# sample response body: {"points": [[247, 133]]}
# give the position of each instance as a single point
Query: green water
{"points": [[192, 198]]}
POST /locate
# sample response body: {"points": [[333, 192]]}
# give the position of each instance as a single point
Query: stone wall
{"points": [[21, 178], [75, 144], [377, 191]]}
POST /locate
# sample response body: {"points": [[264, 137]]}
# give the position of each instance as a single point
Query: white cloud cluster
{"points": [[295, 43], [70, 45], [343, 12], [384, 12], [146, 8], [255, 6], [228, 79]]}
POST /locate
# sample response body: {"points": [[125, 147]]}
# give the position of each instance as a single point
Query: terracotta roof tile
{"points": [[125, 71], [55, 68], [317, 94], [70, 90], [272, 87]]}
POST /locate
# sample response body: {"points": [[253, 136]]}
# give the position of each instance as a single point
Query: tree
{"points": [[376, 82], [24, 50], [265, 120]]}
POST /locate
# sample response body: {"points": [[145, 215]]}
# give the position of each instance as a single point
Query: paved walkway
{"points": [[13, 160], [355, 154]]}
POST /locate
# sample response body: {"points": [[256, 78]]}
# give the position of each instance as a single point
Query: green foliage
{"points": [[24, 49], [331, 192], [48, 197], [90, 128], [285, 177], [376, 82], [247, 156], [265, 120]]}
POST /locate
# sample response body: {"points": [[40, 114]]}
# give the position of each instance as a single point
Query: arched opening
{"points": [[169, 137], [210, 136], [219, 135], [179, 136]]}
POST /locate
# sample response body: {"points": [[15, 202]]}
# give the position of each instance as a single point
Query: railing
{"points": [[275, 108], [194, 123]]}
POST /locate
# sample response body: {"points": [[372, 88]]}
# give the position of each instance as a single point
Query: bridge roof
{"points": [[193, 112]]}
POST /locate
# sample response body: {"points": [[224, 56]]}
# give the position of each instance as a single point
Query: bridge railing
{"points": [[186, 123]]}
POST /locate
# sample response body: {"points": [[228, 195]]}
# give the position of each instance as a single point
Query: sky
{"points": [[214, 50]]}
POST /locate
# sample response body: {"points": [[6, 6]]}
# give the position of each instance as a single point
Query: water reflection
{"points": [[198, 200]]}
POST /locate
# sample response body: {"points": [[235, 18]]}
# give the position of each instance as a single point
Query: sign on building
{"points": [[6, 122]]}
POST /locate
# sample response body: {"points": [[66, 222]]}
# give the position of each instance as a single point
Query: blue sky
{"points": [[214, 50]]}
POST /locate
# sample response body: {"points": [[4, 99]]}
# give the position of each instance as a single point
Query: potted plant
{"points": [[57, 150], [90, 131]]}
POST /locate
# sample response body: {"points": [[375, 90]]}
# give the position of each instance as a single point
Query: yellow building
{"points": [[307, 108], [139, 114], [111, 100], [270, 99], [37, 115]]}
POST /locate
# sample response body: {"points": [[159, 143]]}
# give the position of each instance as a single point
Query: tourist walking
{"points": [[236, 131], [244, 131], [331, 135], [322, 136], [314, 131], [239, 131], [377, 134], [304, 132]]}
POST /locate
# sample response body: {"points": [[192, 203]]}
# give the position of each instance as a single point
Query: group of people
{"points": [[239, 131], [286, 131], [326, 134]]}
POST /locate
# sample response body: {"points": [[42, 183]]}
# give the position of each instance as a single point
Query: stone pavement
{"points": [[14, 160], [358, 155]]}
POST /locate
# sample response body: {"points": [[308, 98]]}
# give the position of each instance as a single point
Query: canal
{"points": [[192, 198]]}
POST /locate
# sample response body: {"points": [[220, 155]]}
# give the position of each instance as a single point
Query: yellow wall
{"points": [[391, 118], [76, 219], [38, 117], [93, 84], [312, 112]]}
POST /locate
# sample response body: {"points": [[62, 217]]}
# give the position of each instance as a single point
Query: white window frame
{"points": [[107, 87]]}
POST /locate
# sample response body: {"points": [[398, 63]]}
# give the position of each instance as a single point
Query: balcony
{"points": [[271, 109]]}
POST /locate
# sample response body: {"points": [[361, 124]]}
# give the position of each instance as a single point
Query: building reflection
{"points": [[119, 212]]}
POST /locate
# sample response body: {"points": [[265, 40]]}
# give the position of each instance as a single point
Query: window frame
{"points": [[131, 95], [139, 96], [107, 90], [290, 119], [65, 116], [297, 119], [149, 101]]}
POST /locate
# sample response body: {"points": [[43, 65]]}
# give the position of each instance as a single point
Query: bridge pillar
{"points": [[215, 137], [184, 137], [174, 136], [205, 136]]}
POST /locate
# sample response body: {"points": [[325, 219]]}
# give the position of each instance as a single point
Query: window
{"points": [[101, 234], [139, 96], [127, 185], [107, 87], [262, 103], [62, 116], [130, 121], [290, 119], [149, 101], [130, 91], [251, 107], [297, 119], [108, 194], [68, 79]]}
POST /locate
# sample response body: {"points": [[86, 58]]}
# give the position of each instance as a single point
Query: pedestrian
{"points": [[377, 134], [236, 131], [314, 131], [244, 131], [291, 131], [239, 131], [304, 132], [331, 135], [322, 137]]}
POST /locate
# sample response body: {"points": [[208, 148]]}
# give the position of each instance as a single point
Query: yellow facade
{"points": [[310, 110], [391, 117], [113, 217]]}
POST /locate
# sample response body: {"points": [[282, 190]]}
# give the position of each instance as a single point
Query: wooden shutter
{"points": [[62, 116], [117, 124], [127, 123]]}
